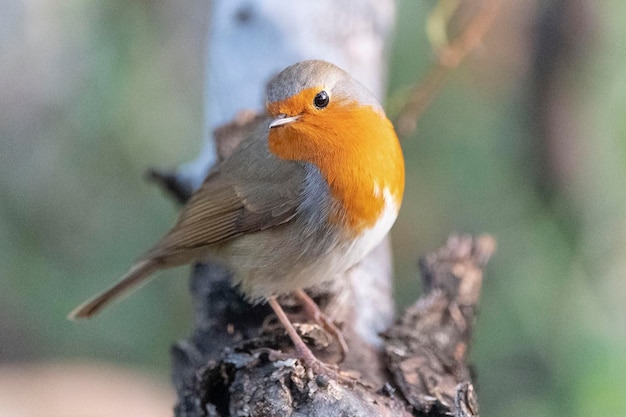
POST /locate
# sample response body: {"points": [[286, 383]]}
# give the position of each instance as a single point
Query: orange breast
{"points": [[357, 152]]}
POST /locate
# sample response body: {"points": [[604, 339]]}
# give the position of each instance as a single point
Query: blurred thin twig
{"points": [[448, 58]]}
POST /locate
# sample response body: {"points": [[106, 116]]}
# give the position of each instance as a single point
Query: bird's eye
{"points": [[321, 99]]}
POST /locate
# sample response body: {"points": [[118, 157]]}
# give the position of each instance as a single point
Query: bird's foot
{"points": [[322, 372], [314, 313], [303, 352]]}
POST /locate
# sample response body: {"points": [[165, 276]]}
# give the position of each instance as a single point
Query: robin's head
{"points": [[321, 102], [321, 115]]}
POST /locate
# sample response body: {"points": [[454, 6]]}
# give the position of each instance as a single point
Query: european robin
{"points": [[301, 200]]}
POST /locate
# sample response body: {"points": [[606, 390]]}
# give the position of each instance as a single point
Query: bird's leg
{"points": [[302, 351], [313, 312]]}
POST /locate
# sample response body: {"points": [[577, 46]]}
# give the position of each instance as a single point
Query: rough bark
{"points": [[426, 351]]}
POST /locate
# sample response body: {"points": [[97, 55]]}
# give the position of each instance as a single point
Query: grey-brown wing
{"points": [[269, 187], [251, 191]]}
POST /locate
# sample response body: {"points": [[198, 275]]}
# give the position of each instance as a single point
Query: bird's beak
{"points": [[282, 119]]}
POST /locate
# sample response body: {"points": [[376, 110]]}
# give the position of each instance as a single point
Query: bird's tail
{"points": [[137, 275]]}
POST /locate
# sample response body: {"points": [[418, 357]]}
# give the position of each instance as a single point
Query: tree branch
{"points": [[478, 17]]}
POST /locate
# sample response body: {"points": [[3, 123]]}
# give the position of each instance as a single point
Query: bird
{"points": [[308, 194]]}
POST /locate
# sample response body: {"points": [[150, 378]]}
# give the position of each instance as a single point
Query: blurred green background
{"points": [[527, 141]]}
